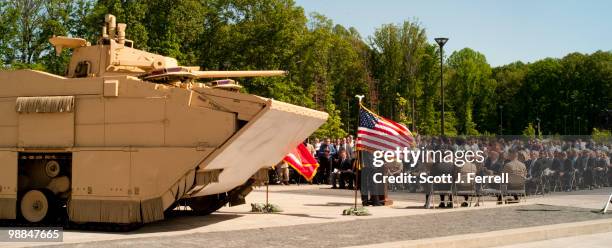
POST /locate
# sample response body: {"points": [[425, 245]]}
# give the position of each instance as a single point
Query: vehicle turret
{"points": [[115, 55]]}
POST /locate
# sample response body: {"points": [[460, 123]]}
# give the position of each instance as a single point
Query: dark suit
{"points": [[325, 166], [569, 166], [496, 166], [534, 171], [533, 167], [557, 165], [591, 172], [344, 173], [546, 163]]}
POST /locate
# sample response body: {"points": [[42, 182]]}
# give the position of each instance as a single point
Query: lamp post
{"points": [[578, 124], [348, 112], [441, 42], [538, 120], [501, 119], [565, 124], [607, 116]]}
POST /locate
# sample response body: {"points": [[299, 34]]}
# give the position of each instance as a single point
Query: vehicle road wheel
{"points": [[36, 206]]}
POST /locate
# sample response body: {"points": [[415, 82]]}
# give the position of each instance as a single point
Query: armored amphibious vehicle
{"points": [[126, 135]]}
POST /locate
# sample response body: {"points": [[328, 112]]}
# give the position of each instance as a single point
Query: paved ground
{"points": [[600, 240], [373, 231], [315, 211]]}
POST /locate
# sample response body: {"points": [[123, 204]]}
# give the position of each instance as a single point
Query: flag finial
{"points": [[360, 97]]}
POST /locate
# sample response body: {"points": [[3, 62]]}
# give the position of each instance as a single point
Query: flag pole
{"points": [[605, 208], [355, 184], [358, 164]]}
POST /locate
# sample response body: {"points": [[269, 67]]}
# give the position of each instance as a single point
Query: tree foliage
{"points": [[397, 68], [470, 87]]}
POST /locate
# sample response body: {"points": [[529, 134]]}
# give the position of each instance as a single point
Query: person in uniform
{"points": [[282, 171], [514, 167], [372, 194]]}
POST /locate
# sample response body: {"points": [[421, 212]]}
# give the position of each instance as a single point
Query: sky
{"points": [[504, 31]]}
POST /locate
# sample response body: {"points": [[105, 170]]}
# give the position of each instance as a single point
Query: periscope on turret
{"points": [[126, 134]]}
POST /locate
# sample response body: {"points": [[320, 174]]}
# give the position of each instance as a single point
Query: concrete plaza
{"points": [[312, 217]]}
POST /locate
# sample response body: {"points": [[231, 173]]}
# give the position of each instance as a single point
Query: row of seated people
{"points": [[567, 171], [515, 187]]}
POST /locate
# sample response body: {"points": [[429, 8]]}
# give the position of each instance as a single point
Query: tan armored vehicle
{"points": [[127, 134]]}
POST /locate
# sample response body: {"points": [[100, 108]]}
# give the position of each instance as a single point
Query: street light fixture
{"points": [[441, 42]]}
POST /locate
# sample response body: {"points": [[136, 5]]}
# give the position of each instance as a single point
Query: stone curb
{"points": [[505, 237]]}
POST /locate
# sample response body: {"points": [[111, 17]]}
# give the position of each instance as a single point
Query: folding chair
{"points": [[466, 189], [495, 190], [479, 193], [514, 186], [446, 189], [573, 182]]}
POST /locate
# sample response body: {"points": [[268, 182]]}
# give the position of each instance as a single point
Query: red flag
{"points": [[303, 162]]}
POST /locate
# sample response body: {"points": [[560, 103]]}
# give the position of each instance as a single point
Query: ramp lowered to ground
{"points": [[263, 142]]}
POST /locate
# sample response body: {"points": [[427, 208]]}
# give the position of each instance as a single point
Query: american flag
{"points": [[377, 133]]}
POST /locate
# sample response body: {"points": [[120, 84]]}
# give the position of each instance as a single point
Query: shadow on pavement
{"points": [[287, 214], [184, 220], [330, 204]]}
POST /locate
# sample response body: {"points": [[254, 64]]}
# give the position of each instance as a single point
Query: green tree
{"points": [[429, 99], [399, 53], [469, 82], [333, 127], [539, 92], [396, 68], [509, 80], [8, 29], [386, 63], [529, 131]]}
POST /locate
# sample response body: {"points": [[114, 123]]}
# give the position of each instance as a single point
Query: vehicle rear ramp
{"points": [[264, 141]]}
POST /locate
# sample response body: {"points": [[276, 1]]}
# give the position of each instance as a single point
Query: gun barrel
{"points": [[226, 74]]}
